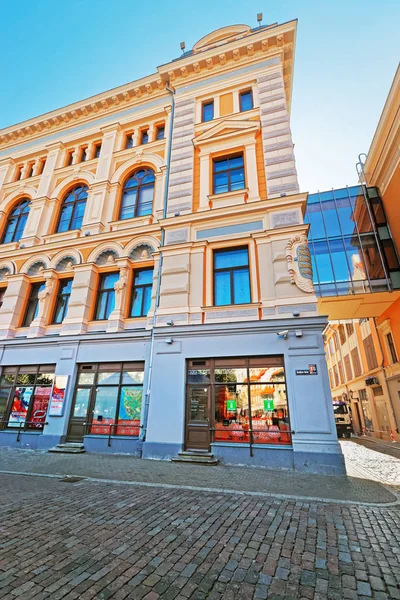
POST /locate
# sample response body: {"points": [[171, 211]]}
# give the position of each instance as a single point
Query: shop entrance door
{"points": [[79, 415], [198, 418]]}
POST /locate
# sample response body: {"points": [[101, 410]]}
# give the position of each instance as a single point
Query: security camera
{"points": [[169, 341], [283, 334], [170, 322]]}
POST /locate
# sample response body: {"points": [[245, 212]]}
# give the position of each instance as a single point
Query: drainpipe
{"points": [[158, 287], [385, 378]]}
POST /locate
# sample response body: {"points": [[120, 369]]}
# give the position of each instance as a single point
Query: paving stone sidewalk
{"points": [[97, 540], [241, 479]]}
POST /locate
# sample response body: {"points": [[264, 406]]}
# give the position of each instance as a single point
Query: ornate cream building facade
{"points": [[155, 276]]}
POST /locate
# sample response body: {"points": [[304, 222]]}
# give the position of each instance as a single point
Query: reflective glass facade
{"points": [[351, 247]]}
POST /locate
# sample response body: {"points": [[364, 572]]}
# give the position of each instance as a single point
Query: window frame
{"points": [[97, 150], [391, 348], [159, 128], [142, 286], [140, 186], [101, 291], [32, 300], [75, 203], [244, 93], [59, 298], [217, 251], [217, 159], [203, 106], [144, 137], [19, 217]]}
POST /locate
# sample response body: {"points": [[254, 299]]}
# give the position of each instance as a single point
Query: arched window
{"points": [[137, 195], [73, 209], [16, 222]]}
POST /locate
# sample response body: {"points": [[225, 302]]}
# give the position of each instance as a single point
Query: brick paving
{"points": [[91, 539]]}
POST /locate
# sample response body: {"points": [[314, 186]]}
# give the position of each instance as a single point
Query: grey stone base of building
{"points": [[28, 440], [118, 445], [160, 450], [235, 454], [319, 462]]}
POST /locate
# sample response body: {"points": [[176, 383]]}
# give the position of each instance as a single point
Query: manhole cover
{"points": [[71, 479]]}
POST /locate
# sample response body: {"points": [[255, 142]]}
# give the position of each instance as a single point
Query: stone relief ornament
{"points": [[141, 252], [299, 263], [4, 273], [36, 269], [119, 286]]}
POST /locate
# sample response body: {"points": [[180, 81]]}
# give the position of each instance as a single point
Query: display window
{"points": [[25, 395], [243, 400], [108, 398]]}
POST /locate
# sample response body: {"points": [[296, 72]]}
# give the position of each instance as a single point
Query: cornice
{"points": [[265, 42]]}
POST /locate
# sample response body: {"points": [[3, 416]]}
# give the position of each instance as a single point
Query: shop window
{"points": [[63, 296], [24, 395], [16, 222], [248, 399], [231, 277], [110, 396], [207, 111], [73, 209], [97, 150], [32, 307], [144, 136], [106, 296], [141, 293], [228, 174], [392, 349], [138, 194], [246, 100], [160, 134]]}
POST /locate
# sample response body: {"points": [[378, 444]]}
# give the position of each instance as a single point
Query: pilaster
{"points": [[81, 302], [108, 145], [38, 221], [94, 217], [116, 320], [55, 153], [13, 304], [38, 325], [6, 168]]}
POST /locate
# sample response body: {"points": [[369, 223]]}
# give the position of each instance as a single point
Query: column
{"points": [[38, 325], [159, 192], [82, 299], [152, 133], [116, 320], [196, 282], [204, 181], [38, 222], [251, 172], [13, 305]]}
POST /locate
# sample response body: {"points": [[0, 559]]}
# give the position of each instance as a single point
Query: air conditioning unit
{"points": [[372, 381]]}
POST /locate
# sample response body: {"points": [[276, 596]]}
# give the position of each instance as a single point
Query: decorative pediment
{"points": [[225, 129]]}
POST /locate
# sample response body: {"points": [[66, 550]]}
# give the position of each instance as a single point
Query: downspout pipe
{"points": [[160, 263]]}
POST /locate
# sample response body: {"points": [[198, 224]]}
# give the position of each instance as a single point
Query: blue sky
{"points": [[53, 53]]}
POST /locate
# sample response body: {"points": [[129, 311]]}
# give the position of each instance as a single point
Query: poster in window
{"points": [[129, 411], [20, 405], [39, 407], [58, 392]]}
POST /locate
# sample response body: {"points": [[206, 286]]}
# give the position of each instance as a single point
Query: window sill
{"points": [[8, 247], [230, 306], [61, 237], [232, 194], [228, 198], [133, 222]]}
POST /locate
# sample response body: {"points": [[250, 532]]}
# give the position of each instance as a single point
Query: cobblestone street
{"points": [[83, 538]]}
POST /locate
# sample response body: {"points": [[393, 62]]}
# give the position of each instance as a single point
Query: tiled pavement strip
{"points": [[94, 539]]}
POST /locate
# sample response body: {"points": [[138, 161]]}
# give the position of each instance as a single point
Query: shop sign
{"points": [[312, 370], [57, 400], [268, 405], [231, 405]]}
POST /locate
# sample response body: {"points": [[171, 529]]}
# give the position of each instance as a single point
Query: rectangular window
{"points": [[342, 334], [248, 400], [84, 154], [2, 294], [70, 158], [42, 164], [207, 111], [141, 293], [29, 170], [370, 353], [228, 174], [25, 394], [347, 366], [356, 362], [349, 329], [97, 150], [366, 410], [246, 100], [129, 141], [144, 136], [63, 296], [160, 132], [106, 296], [231, 277], [341, 374], [336, 375], [111, 394], [18, 173], [32, 308], [392, 349]]}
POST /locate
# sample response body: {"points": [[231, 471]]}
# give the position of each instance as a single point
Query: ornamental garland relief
{"points": [[299, 263]]}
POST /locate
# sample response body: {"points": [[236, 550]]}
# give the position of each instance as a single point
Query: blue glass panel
{"points": [[129, 199], [317, 228], [66, 213], [222, 288], [221, 165], [36, 291], [137, 302], [342, 193], [145, 209], [323, 261], [144, 277], [339, 260], [127, 213], [20, 229], [208, 111], [241, 286], [361, 214], [346, 217], [110, 304], [356, 190], [101, 306], [326, 196], [66, 286], [231, 258], [235, 162], [312, 199], [109, 280], [237, 179], [147, 300], [371, 257], [331, 218], [131, 182], [145, 200], [246, 101], [8, 236], [82, 194], [220, 183]]}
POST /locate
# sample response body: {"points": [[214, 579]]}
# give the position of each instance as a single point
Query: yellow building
{"points": [[155, 274]]}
